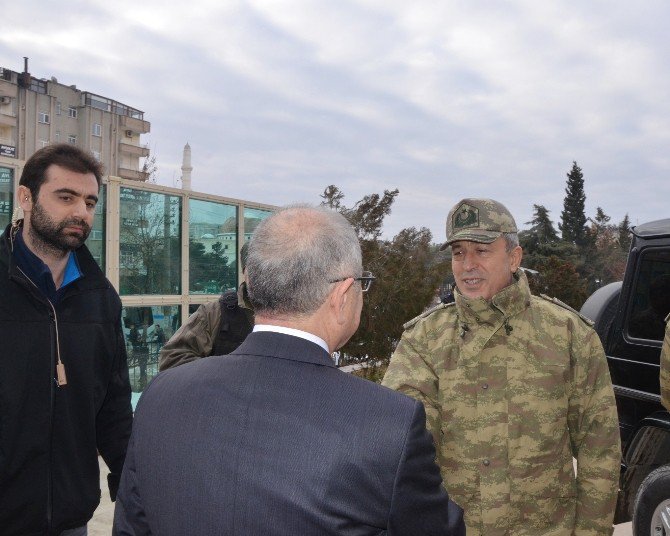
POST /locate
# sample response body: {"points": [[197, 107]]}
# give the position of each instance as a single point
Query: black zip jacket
{"points": [[50, 435]]}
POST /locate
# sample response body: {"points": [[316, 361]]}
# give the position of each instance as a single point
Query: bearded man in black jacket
{"points": [[64, 388]]}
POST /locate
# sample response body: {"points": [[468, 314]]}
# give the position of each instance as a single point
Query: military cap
{"points": [[478, 220]]}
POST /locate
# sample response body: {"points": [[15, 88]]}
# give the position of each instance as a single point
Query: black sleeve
{"points": [[420, 504], [115, 419], [129, 516]]}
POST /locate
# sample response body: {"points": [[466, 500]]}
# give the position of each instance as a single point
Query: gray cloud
{"points": [[442, 100]]}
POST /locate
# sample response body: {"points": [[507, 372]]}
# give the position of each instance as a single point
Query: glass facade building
{"points": [[166, 250], [6, 196]]}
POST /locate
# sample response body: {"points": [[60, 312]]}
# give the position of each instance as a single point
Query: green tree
{"points": [[209, 271], [367, 215], [149, 246], [624, 233], [603, 259], [332, 197], [559, 278], [408, 268], [150, 169], [573, 218], [541, 232], [407, 279]]}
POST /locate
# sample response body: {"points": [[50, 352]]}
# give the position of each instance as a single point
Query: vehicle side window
{"points": [[651, 296]]}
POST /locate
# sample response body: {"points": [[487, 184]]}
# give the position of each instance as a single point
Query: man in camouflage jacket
{"points": [[665, 366], [201, 333], [515, 386]]}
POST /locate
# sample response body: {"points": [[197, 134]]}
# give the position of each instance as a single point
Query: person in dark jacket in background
{"points": [[215, 328], [64, 388]]}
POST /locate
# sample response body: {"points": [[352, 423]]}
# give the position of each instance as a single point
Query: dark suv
{"points": [[629, 318]]}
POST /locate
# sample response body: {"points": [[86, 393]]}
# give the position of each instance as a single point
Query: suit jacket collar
{"points": [[272, 344]]}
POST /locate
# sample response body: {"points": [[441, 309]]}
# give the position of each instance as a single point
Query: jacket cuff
{"points": [[113, 483]]}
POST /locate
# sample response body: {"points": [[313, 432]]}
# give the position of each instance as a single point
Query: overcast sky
{"points": [[442, 100]]}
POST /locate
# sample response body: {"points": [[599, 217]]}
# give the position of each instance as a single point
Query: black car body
{"points": [[629, 317]]}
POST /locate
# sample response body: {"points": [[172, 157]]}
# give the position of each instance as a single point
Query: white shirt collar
{"points": [[295, 332]]}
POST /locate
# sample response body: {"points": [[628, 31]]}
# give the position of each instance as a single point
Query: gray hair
{"points": [[293, 255], [511, 241]]}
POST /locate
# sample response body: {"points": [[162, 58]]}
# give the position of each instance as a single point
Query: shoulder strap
{"points": [[236, 323], [426, 313], [558, 302]]}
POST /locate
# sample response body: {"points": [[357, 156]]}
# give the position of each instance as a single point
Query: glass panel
{"points": [[6, 196], [212, 247], [252, 217], [651, 298], [150, 243], [96, 240], [146, 329]]}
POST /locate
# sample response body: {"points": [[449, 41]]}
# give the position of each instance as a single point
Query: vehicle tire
{"points": [[651, 514], [601, 307]]}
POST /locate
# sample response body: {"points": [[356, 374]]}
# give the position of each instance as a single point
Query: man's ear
{"points": [[515, 258], [339, 298], [25, 198]]}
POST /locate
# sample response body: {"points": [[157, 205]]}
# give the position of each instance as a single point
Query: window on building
{"points": [[57, 135], [252, 217], [96, 240], [212, 229], [58, 108], [71, 111], [150, 243], [43, 117], [146, 329], [6, 196], [97, 129], [72, 139]]}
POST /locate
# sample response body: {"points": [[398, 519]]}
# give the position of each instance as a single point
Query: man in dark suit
{"points": [[273, 438]]}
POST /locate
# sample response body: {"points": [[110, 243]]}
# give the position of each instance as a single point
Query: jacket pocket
{"points": [[545, 515]]}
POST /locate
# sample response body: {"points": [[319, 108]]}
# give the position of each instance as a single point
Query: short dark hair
{"points": [[65, 155]]}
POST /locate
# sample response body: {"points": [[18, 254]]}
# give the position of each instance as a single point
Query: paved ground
{"points": [[101, 524]]}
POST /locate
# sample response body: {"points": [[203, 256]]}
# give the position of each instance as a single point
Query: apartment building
{"points": [[35, 112]]}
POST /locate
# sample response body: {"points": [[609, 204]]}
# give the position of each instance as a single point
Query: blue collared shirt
{"points": [[40, 274]]}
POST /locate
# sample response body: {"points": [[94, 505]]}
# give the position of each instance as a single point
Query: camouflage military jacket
{"points": [[513, 390], [195, 339], [665, 367]]}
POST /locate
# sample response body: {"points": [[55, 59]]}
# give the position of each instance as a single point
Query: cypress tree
{"points": [[624, 233], [573, 218]]}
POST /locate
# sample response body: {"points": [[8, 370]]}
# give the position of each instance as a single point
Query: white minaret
{"points": [[186, 168]]}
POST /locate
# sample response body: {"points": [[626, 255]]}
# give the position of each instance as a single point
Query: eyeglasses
{"points": [[366, 280]]}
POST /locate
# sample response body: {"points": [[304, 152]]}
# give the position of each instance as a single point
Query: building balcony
{"points": [[133, 174], [7, 119], [134, 150], [136, 125]]}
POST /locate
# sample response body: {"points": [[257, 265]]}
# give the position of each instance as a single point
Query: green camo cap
{"points": [[478, 220]]}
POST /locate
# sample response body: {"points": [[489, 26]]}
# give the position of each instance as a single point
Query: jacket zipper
{"points": [[53, 382]]}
